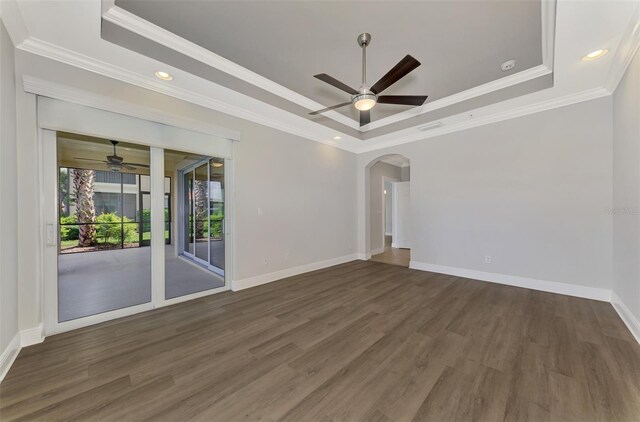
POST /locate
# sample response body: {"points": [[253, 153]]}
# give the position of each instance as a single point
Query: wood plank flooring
{"points": [[358, 341], [393, 256]]}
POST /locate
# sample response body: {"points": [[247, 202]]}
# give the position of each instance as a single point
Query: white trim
{"points": [[377, 251], [244, 107], [548, 14], [460, 122], [476, 91], [31, 336], [61, 327], [594, 293], [627, 50], [157, 243], [626, 315], [9, 355], [387, 234], [414, 134], [146, 29], [21, 339], [290, 272], [77, 96]]}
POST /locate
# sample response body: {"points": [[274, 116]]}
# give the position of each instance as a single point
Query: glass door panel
{"points": [[201, 212], [187, 223], [102, 265], [192, 266], [216, 214]]}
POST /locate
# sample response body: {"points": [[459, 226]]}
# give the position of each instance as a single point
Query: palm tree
{"points": [[200, 197], [85, 208]]}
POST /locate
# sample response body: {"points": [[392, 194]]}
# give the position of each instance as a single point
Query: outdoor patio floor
{"points": [[95, 282]]}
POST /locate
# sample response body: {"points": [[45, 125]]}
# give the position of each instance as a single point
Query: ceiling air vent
{"points": [[430, 126]]}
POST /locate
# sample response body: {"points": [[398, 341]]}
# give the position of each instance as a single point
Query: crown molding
{"points": [[146, 29], [415, 135], [63, 92], [266, 114], [57, 91], [507, 81], [625, 54]]}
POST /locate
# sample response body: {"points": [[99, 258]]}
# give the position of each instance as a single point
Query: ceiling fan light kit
{"points": [[366, 97], [114, 162]]}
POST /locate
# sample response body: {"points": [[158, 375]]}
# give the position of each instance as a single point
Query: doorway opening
{"points": [[389, 210]]}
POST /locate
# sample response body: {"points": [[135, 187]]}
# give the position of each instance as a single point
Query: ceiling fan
{"points": [[366, 97], [115, 162]]}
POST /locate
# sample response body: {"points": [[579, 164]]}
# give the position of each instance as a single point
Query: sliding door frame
{"points": [[59, 116], [182, 214]]}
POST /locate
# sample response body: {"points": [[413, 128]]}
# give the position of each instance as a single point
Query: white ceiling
{"points": [[70, 32], [460, 44]]}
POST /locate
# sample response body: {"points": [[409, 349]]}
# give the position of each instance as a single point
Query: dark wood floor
{"points": [[359, 341]]}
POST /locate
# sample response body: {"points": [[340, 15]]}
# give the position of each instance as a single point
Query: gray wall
{"points": [[531, 192], [8, 194], [626, 189], [378, 170]]}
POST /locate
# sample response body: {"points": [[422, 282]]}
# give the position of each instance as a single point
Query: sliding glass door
{"points": [[202, 216]]}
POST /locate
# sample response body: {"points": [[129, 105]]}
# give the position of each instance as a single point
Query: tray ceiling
{"points": [[460, 44]]}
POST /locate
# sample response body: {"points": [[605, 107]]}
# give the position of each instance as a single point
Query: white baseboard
{"points": [[289, 272], [9, 355], [511, 280], [22, 339], [400, 245], [377, 251], [388, 234], [627, 317], [31, 336]]}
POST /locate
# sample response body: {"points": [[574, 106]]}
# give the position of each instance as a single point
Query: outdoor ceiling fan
{"points": [[115, 162], [366, 97]]}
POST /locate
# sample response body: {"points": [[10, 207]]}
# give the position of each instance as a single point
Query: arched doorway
{"points": [[387, 209]]}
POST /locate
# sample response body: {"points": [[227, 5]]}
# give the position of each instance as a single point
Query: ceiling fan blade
{"points": [[330, 108], [128, 167], [334, 82], [414, 100], [136, 164], [399, 71], [90, 159], [365, 117]]}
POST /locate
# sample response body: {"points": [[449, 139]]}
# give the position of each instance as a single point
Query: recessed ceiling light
{"points": [[595, 55], [163, 75], [337, 138]]}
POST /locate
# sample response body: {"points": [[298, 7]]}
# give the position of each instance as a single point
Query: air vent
{"points": [[430, 126]]}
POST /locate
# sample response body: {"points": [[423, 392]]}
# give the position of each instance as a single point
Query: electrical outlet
{"points": [[260, 212], [487, 259]]}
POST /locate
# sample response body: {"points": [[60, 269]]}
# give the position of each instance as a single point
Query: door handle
{"points": [[50, 234]]}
